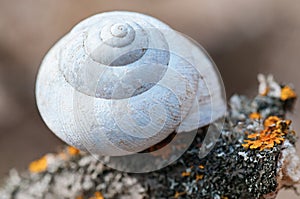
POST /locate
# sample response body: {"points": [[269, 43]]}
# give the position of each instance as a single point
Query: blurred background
{"points": [[244, 38]]}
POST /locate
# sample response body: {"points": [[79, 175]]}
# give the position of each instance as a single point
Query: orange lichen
{"points": [[178, 194], [201, 167], [270, 121], [255, 116], [97, 195], [199, 177], [73, 150], [287, 93], [79, 197], [39, 165], [275, 129], [254, 135], [185, 174]]}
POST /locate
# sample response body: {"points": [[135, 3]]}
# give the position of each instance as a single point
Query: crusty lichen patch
{"points": [[73, 151], [229, 171], [97, 195], [39, 165], [287, 93], [255, 116], [274, 132]]}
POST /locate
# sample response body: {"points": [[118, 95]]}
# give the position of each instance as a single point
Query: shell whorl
{"points": [[110, 49], [121, 82], [123, 43]]}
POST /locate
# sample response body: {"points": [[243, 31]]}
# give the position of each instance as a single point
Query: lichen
{"points": [[274, 133], [97, 195], [287, 93], [39, 165], [229, 171], [255, 116], [73, 150]]}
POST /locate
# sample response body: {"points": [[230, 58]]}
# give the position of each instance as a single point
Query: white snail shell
{"points": [[121, 82]]}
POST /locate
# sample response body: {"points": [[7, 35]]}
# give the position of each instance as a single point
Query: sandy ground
{"points": [[243, 38]]}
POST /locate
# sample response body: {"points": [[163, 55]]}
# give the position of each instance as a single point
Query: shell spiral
{"points": [[120, 82]]}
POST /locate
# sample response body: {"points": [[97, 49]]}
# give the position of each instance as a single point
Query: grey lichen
{"points": [[75, 176], [228, 171]]}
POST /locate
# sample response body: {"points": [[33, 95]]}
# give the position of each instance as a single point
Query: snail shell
{"points": [[120, 82]]}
